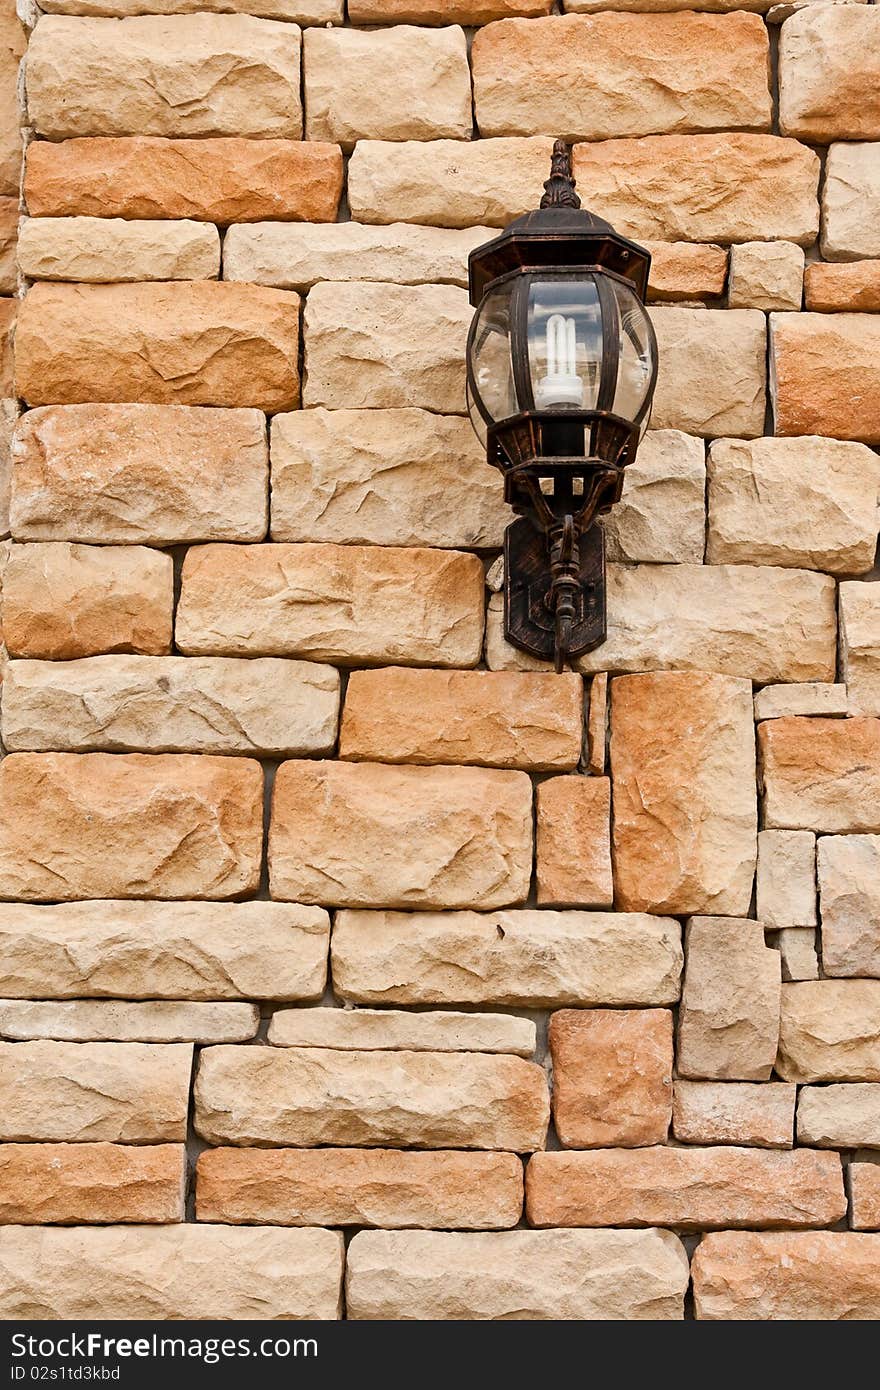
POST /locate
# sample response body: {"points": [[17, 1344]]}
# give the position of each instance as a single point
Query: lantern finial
{"points": [[559, 188]]}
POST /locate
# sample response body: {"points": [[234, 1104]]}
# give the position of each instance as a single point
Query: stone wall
{"points": [[323, 909]]}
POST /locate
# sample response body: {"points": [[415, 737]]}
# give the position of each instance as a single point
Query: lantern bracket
{"points": [[554, 589]]}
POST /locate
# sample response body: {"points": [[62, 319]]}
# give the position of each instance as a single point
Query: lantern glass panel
{"points": [[492, 396], [564, 334], [637, 356]]}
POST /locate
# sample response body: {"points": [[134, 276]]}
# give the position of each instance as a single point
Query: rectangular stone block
{"points": [[195, 74], [825, 375], [829, 74], [135, 1093], [44, 1184], [775, 1276], [766, 275], [177, 1272], [389, 1030], [313, 1096], [839, 1117], [573, 842], [851, 202], [829, 288], [99, 250], [830, 1031], [849, 897], [527, 959], [805, 697], [369, 835], [786, 880], [758, 1114], [859, 644], [345, 603], [680, 270], [597, 725], [441, 11], [300, 11], [821, 774], [9, 220], [865, 1196], [712, 373], [13, 46], [100, 1020], [192, 343], [661, 517], [797, 949], [612, 1076], [728, 1023], [99, 825]]}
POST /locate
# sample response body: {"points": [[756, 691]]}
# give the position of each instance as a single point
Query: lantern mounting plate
{"points": [[529, 616]]}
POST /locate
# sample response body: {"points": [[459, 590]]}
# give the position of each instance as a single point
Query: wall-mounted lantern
{"points": [[561, 368]]}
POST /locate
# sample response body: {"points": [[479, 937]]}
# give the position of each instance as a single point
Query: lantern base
{"points": [[529, 617]]}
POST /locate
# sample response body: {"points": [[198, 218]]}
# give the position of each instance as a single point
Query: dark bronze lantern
{"points": [[561, 367]]}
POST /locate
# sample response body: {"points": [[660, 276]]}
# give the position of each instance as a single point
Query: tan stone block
{"points": [[851, 202], [122, 1092], [100, 249], [691, 1189], [612, 1076], [157, 474], [839, 1117], [849, 888], [828, 288], [830, 1031], [100, 825], [195, 74], [786, 880], [13, 42], [728, 1023], [573, 842], [712, 374], [797, 949], [68, 1183], [100, 1020], [9, 414], [143, 950], [758, 1114], [527, 958], [668, 73], [177, 1272], [661, 6], [266, 706], [821, 774], [387, 1030], [62, 601], [300, 11], [408, 340], [369, 835], [383, 477], [597, 724], [805, 698], [190, 343], [223, 180], [775, 1276], [859, 644], [8, 315], [352, 604], [685, 808], [829, 73], [9, 219], [495, 719], [661, 517], [766, 275], [522, 1275], [312, 1096], [864, 1181], [681, 270], [441, 11], [825, 375]]}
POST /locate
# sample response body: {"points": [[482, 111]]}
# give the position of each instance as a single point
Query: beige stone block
{"points": [[864, 1181], [527, 958], [839, 1117], [101, 1020], [682, 270], [766, 275], [360, 1187], [797, 949], [312, 1096], [685, 807], [187, 343], [100, 250], [369, 835], [829, 73], [521, 1275], [830, 1031], [851, 202], [821, 774], [156, 474], [573, 842], [804, 698], [41, 1184], [384, 477], [9, 309], [390, 1030], [786, 881], [103, 825], [195, 74], [757, 1114], [9, 414], [597, 725], [661, 6], [712, 375], [352, 604], [612, 1076], [154, 950], [829, 288], [13, 43], [495, 719], [121, 1092], [849, 889], [661, 517], [9, 219], [825, 375], [178, 1272], [62, 601], [300, 11], [408, 341], [860, 646], [442, 11], [728, 1023], [779, 1276]]}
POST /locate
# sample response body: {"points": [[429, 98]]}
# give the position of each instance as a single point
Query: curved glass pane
{"points": [[638, 353], [565, 342], [494, 392]]}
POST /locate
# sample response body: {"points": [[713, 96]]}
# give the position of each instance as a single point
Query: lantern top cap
{"points": [[559, 190]]}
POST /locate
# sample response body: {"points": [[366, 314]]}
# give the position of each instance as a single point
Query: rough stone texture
{"points": [[9, 414], [830, 1031], [408, 342], [62, 601], [332, 602], [195, 74], [224, 180], [865, 1196], [100, 249], [597, 724], [680, 270], [766, 275], [808, 697], [9, 309], [402, 83], [360, 1187], [828, 288], [496, 719], [267, 706], [712, 374], [849, 887], [383, 477], [770, 1276], [728, 1023], [369, 835], [311, 1096], [189, 343], [41, 1184], [851, 202], [441, 11], [525, 1275], [839, 1117], [829, 74], [95, 473], [859, 644], [692, 1189], [612, 1076], [661, 517], [786, 881], [825, 375], [122, 1092], [758, 1114], [685, 808], [99, 1020], [179, 1272], [142, 950], [102, 825], [9, 219], [527, 958], [301, 11], [821, 774], [367, 1030], [573, 842], [797, 948], [13, 43]]}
